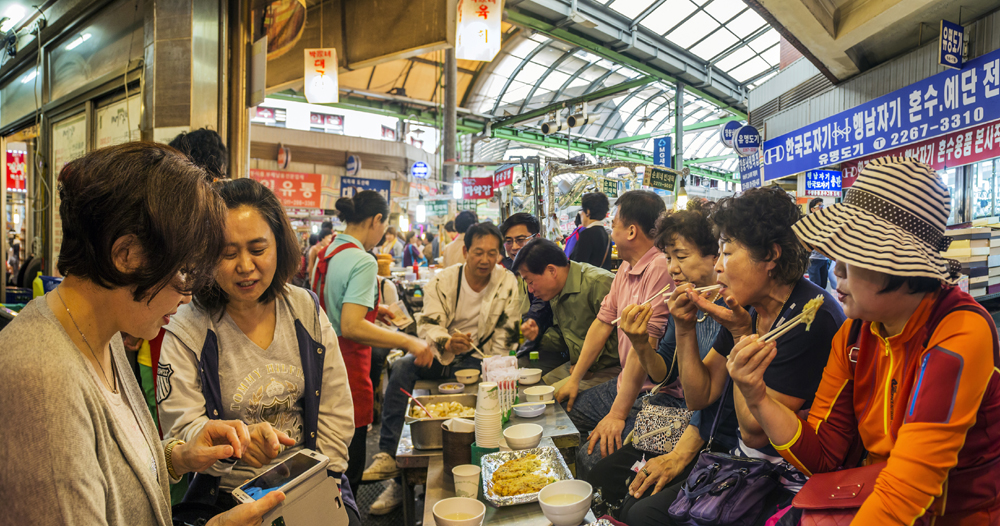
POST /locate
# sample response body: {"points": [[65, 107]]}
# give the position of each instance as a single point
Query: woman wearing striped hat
{"points": [[912, 375]]}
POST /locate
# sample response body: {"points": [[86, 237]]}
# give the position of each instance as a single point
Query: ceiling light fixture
{"points": [[77, 41], [14, 14]]}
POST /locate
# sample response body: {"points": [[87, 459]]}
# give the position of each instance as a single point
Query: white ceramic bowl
{"points": [[529, 411], [451, 388], [529, 376], [467, 376], [459, 506], [539, 393], [559, 514], [523, 436]]}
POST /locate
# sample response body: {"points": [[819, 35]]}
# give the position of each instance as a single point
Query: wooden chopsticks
{"points": [[806, 316], [647, 302]]}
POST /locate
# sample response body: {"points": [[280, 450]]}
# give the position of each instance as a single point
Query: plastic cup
{"points": [[467, 480], [488, 400]]}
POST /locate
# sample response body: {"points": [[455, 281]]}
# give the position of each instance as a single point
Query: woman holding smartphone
{"points": [[89, 452], [254, 348]]}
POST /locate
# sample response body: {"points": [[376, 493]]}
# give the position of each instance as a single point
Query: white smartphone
{"points": [[284, 476]]}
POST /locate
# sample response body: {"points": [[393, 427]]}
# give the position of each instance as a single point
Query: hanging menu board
{"points": [[69, 142], [111, 123], [660, 178]]}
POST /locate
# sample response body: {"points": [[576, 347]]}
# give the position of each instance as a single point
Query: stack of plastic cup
{"points": [[488, 423]]}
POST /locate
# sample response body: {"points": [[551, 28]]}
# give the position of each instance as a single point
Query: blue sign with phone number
{"points": [[944, 103]]}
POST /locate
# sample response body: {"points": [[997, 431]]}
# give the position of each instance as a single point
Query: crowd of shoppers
{"points": [[901, 386]]}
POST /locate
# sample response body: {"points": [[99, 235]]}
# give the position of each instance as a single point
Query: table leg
{"points": [[409, 507]]}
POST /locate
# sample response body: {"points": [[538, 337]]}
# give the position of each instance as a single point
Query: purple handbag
{"points": [[723, 489]]}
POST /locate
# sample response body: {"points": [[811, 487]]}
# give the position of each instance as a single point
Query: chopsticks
{"points": [[482, 355], [647, 302], [526, 404], [407, 393], [806, 316], [710, 288]]}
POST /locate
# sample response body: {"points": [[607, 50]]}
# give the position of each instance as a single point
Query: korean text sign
{"points": [[352, 185], [321, 84], [944, 103], [479, 30], [292, 189], [15, 170], [503, 177], [661, 151], [662, 179], [950, 44], [823, 183], [750, 172], [477, 187]]}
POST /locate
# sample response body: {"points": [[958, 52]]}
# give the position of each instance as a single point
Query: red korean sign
{"points": [[293, 189], [15, 171], [477, 187], [948, 151], [503, 177]]}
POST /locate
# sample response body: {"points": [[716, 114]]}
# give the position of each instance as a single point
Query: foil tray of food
{"points": [[516, 477]]}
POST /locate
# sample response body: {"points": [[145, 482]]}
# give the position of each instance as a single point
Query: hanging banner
{"points": [[659, 178], [751, 172], [941, 104], [662, 151], [728, 131], [504, 176], [437, 208], [950, 44], [823, 183], [15, 171], [419, 170], [292, 189], [321, 86], [610, 188], [477, 187], [112, 122], [352, 185], [747, 140], [955, 149], [478, 34]]}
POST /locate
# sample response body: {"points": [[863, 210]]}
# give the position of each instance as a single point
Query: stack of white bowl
{"points": [[488, 422]]}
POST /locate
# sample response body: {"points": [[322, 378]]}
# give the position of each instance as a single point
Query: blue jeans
{"points": [[403, 373], [819, 269]]}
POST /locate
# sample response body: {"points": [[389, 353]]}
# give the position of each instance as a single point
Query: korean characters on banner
{"points": [[478, 32], [954, 149], [477, 188], [503, 177], [751, 172], [352, 185], [938, 105], [292, 189], [321, 85], [823, 183], [15, 171]]}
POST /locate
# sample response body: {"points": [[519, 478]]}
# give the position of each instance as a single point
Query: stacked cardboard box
{"points": [[993, 259], [971, 246]]}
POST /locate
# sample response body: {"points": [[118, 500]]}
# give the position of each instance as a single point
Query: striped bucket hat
{"points": [[892, 220]]}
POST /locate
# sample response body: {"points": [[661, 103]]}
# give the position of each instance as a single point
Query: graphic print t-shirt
{"points": [[261, 385]]}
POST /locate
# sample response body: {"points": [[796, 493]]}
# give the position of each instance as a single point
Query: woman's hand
{"points": [[218, 439], [635, 323], [682, 308], [250, 513], [265, 445], [735, 318], [657, 473], [747, 363]]}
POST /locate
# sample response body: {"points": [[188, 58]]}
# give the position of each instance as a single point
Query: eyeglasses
{"points": [[520, 240]]}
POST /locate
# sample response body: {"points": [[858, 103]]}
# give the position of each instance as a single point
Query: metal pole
{"points": [[679, 127], [239, 115], [450, 110]]}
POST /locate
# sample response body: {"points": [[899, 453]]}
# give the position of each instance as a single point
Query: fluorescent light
{"points": [[17, 218], [14, 15], [404, 224], [79, 40], [29, 77], [456, 189], [421, 212]]}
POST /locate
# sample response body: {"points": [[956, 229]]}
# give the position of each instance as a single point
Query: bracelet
{"points": [[168, 453]]}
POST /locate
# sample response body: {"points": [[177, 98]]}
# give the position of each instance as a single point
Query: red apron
{"points": [[358, 359]]}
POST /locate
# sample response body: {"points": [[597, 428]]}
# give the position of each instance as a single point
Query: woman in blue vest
{"points": [[253, 348]]}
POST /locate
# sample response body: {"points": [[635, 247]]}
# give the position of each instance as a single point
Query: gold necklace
{"points": [[713, 299], [113, 383]]}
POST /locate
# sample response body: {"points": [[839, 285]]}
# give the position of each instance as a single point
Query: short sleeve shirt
{"points": [[798, 367], [350, 278]]}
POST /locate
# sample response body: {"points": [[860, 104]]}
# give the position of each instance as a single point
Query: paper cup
{"points": [[489, 397], [467, 480]]}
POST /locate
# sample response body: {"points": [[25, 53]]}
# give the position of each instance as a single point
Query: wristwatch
{"points": [[168, 451]]}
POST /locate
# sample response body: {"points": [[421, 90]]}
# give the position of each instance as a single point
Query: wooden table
{"points": [[414, 463]]}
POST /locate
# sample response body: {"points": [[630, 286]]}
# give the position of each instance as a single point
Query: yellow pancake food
{"points": [[520, 476], [810, 309], [443, 410]]}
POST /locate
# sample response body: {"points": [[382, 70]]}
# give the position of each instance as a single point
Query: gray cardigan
{"points": [[63, 457]]}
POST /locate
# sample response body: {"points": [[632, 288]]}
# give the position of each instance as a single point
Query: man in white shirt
{"points": [[477, 303], [454, 252]]}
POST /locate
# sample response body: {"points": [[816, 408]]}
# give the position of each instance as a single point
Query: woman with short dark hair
{"points": [[141, 230], [594, 243], [269, 349]]}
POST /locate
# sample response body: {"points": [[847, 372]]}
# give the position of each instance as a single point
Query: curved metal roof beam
{"points": [[636, 110], [538, 82], [520, 66]]}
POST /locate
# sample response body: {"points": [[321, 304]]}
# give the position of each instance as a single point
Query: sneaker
{"points": [[389, 500], [383, 468]]}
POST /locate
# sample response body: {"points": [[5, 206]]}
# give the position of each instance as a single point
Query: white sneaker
{"points": [[383, 468], [389, 500]]}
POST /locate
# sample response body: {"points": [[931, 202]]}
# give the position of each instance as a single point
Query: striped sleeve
{"points": [[823, 442]]}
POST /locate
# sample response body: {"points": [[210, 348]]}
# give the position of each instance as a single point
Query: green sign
{"points": [[437, 208], [660, 178], [610, 188]]}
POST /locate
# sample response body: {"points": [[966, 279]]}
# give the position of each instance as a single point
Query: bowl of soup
{"points": [[566, 503], [459, 511]]}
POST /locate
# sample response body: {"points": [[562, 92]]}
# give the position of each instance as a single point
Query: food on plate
{"points": [[520, 476], [443, 410]]}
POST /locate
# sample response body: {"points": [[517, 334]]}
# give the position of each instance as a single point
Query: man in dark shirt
{"points": [[594, 245]]}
